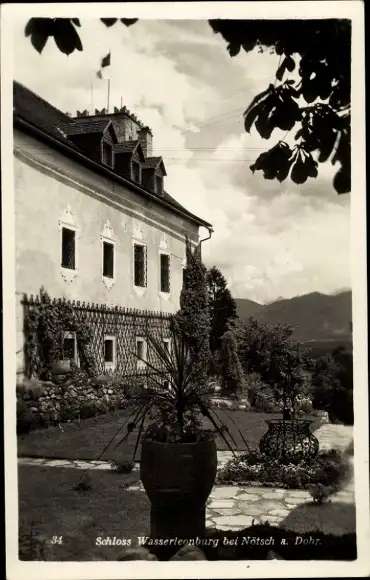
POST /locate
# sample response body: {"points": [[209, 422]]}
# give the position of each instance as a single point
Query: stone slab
{"points": [[237, 521], [244, 497], [227, 511], [280, 513], [252, 509], [221, 503], [224, 492], [59, 463], [269, 495], [298, 493], [297, 500]]}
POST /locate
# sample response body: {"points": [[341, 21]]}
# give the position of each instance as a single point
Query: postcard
{"points": [[184, 251]]}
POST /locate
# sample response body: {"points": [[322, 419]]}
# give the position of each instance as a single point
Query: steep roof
{"points": [[39, 112], [126, 146], [77, 128], [40, 116], [154, 162]]}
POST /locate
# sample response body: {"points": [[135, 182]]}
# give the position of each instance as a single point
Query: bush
{"points": [[321, 493], [123, 465], [329, 468], [25, 418], [333, 385], [69, 398], [304, 405], [233, 403], [265, 402], [231, 371]]}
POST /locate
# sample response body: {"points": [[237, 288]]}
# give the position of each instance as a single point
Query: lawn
{"points": [[48, 502], [88, 439]]}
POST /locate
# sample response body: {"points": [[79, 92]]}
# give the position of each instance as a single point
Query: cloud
{"points": [[270, 239]]}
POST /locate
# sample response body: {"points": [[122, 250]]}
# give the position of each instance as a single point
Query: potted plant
{"points": [[178, 454], [289, 440], [61, 366]]}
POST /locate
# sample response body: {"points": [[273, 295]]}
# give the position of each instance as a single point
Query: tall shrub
{"points": [[193, 317], [280, 362], [231, 371], [222, 306], [333, 385]]}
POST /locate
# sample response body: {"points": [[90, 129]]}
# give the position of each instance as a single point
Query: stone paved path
{"points": [[235, 507]]}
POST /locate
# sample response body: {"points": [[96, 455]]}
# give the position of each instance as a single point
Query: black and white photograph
{"points": [[185, 320]]}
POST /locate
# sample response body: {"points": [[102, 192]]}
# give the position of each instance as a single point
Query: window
{"points": [[136, 171], [108, 260], [165, 272], [68, 249], [70, 347], [167, 344], [140, 352], [107, 154], [159, 184], [110, 352], [140, 265]]}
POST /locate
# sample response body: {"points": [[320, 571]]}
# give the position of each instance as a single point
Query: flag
{"points": [[105, 61]]}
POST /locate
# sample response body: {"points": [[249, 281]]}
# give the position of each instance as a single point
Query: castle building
{"points": [[94, 224]]}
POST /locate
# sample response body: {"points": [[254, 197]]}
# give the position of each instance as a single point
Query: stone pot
{"points": [[289, 441], [178, 478]]}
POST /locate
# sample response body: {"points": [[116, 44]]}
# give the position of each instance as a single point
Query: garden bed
{"points": [[328, 468]]}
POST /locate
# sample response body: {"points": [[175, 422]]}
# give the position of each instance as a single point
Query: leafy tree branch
{"points": [[316, 103]]}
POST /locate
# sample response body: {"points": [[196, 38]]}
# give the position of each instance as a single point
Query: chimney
{"points": [[146, 141]]}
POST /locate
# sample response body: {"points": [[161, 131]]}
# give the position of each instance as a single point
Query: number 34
{"points": [[56, 540]]}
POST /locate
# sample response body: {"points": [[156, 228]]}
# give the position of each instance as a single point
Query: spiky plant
{"points": [[175, 401]]}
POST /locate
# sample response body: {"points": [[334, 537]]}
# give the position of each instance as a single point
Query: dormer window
{"points": [[107, 154], [158, 183], [136, 171]]}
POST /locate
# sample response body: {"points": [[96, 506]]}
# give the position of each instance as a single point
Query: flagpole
{"points": [[92, 99], [110, 53]]}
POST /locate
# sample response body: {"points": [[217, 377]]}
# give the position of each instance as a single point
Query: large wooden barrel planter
{"points": [[178, 478]]}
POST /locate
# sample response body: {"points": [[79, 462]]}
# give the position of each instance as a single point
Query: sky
{"points": [[270, 240]]}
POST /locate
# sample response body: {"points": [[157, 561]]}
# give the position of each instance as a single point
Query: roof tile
{"points": [[126, 146]]}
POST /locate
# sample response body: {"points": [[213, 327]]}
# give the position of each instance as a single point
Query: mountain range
{"points": [[314, 317]]}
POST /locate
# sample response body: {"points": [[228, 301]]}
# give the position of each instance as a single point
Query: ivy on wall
{"points": [[45, 325]]}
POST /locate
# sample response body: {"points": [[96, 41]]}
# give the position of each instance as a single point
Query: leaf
{"points": [[129, 21], [274, 163], [249, 44], [304, 166], [29, 27], [290, 64], [39, 29], [263, 123], [66, 36], [287, 64], [327, 146], [342, 180], [234, 48], [109, 21], [256, 107]]}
